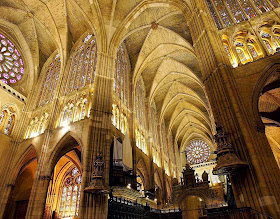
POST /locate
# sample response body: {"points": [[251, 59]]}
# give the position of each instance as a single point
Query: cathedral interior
{"points": [[139, 109]]}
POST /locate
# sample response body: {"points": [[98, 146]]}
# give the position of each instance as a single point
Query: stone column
{"points": [[95, 205], [256, 186], [39, 190], [7, 182]]}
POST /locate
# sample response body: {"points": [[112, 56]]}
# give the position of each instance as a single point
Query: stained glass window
{"points": [[154, 122], [227, 50], [278, 39], [124, 125], [261, 5], [221, 8], [226, 10], [141, 141], [7, 120], [140, 102], [50, 81], [83, 64], [2, 116], [268, 46], [214, 15], [9, 125], [11, 63], [252, 51], [235, 10], [274, 3], [70, 195], [249, 10], [198, 151], [37, 126], [122, 69], [164, 138], [241, 55], [66, 115]]}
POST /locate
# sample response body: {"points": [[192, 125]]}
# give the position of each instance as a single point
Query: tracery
{"points": [[198, 151], [7, 120], [50, 81], [70, 194], [226, 13], [122, 69], [121, 88], [140, 102], [37, 126], [11, 62], [83, 65]]}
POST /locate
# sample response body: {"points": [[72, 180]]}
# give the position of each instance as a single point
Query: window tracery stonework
{"points": [[70, 194], [198, 151], [121, 88], [73, 110], [7, 120], [37, 126], [82, 65], [11, 62], [226, 13], [50, 81]]}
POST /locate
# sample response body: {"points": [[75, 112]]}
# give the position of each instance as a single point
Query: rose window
{"points": [[11, 63], [198, 151]]}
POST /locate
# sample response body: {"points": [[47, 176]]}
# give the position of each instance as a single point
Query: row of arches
{"points": [[74, 112], [37, 126], [244, 46], [73, 109], [64, 189], [229, 12]]}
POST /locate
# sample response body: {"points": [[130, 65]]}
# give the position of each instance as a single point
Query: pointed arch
{"points": [[67, 143], [142, 169], [29, 155]]}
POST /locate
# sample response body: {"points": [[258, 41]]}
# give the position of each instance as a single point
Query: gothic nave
{"points": [[139, 109]]}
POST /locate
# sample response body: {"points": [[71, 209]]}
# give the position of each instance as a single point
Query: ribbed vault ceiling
{"points": [[157, 38]]}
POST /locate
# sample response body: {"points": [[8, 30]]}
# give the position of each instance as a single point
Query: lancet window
{"points": [[261, 5], [140, 102], [121, 88], [37, 126], [116, 116], [154, 122], [141, 141], [70, 194], [166, 168], [74, 112], [83, 64], [163, 137], [156, 155], [121, 79], [229, 51], [246, 46], [66, 115], [50, 81], [7, 120], [270, 35], [229, 12], [119, 120], [81, 110], [11, 62]]}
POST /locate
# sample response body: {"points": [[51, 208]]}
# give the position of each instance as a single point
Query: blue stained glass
{"points": [[261, 5], [214, 15], [235, 10], [223, 12]]}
